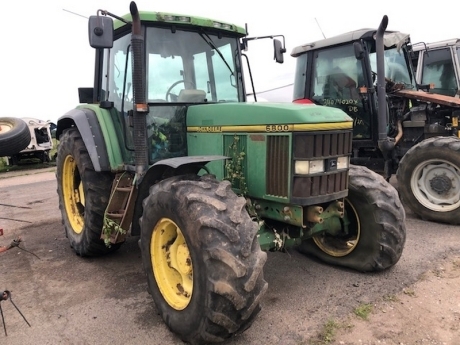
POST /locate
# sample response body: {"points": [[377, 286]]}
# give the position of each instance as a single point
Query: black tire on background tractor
{"points": [[377, 229], [14, 136], [202, 258], [429, 179], [83, 195]]}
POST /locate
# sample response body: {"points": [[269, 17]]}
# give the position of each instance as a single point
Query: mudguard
{"points": [[180, 165], [88, 125], [179, 161]]}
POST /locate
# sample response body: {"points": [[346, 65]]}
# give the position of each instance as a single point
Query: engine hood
{"points": [[247, 114]]}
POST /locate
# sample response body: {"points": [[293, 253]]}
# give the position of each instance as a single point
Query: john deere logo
{"points": [[331, 164]]}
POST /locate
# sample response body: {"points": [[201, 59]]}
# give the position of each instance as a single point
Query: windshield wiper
{"points": [[210, 42]]}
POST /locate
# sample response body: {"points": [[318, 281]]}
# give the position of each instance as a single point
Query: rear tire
{"points": [[14, 136], [83, 195], [429, 179], [377, 230], [202, 259]]}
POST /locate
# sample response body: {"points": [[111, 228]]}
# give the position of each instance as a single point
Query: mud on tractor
{"points": [[165, 147], [399, 127]]}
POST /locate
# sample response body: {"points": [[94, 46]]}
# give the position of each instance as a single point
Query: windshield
{"points": [[189, 67], [182, 68], [438, 69], [396, 67], [337, 76]]}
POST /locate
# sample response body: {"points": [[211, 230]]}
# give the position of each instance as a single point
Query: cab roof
{"points": [[437, 44], [390, 38], [181, 19]]}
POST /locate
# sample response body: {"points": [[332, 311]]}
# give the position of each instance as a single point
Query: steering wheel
{"points": [[174, 96]]}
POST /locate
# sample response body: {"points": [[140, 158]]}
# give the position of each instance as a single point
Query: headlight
{"points": [[309, 167], [343, 162], [302, 167], [318, 166]]}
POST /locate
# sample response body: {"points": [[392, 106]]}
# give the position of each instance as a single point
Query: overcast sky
{"points": [[46, 55]]}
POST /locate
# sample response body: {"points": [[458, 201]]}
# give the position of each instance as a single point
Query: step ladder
{"points": [[121, 204]]}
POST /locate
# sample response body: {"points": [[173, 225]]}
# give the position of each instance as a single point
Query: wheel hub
{"points": [[436, 185], [172, 263], [336, 245], [441, 184]]}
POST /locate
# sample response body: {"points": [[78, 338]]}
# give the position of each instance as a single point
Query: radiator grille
{"points": [[307, 186], [313, 145], [326, 145], [277, 165]]}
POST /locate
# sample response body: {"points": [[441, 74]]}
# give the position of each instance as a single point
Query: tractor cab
{"points": [[185, 61], [342, 72], [438, 63], [401, 127]]}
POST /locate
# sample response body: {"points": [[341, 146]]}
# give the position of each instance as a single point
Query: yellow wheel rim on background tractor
{"points": [[73, 195], [172, 264], [336, 246]]}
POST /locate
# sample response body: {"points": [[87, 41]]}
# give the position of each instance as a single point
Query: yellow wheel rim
{"points": [[73, 195], [338, 247], [172, 264]]}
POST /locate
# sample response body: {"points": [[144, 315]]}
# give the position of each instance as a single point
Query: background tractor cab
{"points": [[438, 63], [399, 127], [342, 72]]}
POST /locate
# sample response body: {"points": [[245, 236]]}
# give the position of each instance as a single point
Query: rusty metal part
{"points": [[430, 97], [5, 295], [400, 132], [15, 244]]}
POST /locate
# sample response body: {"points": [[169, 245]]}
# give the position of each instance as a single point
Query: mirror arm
{"points": [[107, 13], [246, 39]]}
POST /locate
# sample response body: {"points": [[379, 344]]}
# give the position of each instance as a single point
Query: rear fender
{"points": [[88, 125]]}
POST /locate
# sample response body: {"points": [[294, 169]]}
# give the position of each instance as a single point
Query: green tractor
{"points": [[165, 147], [401, 127]]}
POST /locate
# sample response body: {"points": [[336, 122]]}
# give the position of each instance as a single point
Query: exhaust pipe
{"points": [[141, 108], [381, 92], [385, 143]]}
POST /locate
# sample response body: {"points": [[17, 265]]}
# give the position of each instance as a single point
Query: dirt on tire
{"points": [[227, 281], [95, 186], [379, 228]]}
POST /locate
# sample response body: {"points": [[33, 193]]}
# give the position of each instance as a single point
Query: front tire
{"points": [[202, 259], [83, 195], [429, 179], [376, 233]]}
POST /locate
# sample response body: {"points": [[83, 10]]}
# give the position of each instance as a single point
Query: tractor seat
{"points": [[191, 96]]}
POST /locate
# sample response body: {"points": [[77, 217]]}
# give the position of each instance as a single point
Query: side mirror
{"points": [[244, 44], [359, 50], [100, 31], [279, 51]]}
